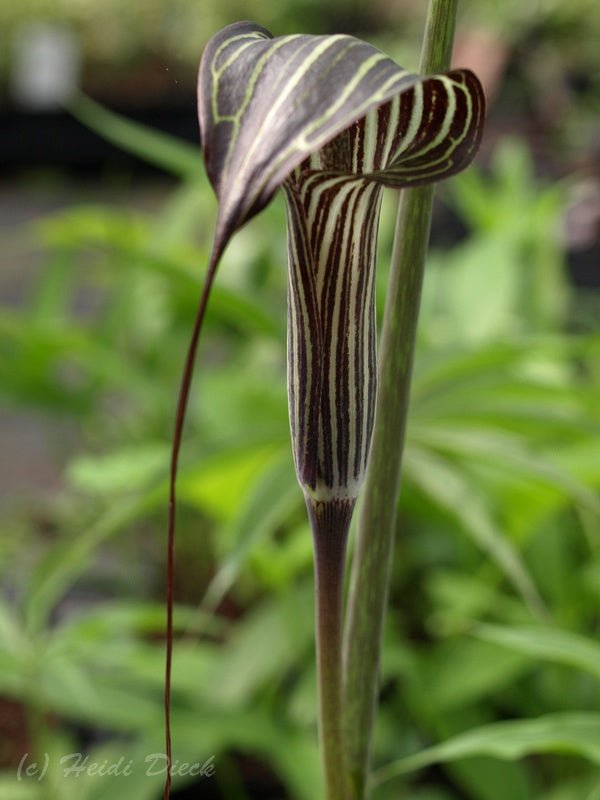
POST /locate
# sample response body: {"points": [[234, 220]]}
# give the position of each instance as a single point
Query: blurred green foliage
{"points": [[494, 604], [556, 38]]}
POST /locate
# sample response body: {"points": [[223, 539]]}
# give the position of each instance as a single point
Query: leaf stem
{"points": [[330, 522], [377, 521]]}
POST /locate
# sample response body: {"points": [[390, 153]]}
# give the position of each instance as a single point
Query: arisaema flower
{"points": [[331, 120]]}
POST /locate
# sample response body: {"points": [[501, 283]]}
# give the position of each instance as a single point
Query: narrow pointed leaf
{"points": [[438, 479], [164, 151], [549, 644], [573, 733]]}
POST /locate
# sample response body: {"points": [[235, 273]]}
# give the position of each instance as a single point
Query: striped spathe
{"points": [[332, 120]]}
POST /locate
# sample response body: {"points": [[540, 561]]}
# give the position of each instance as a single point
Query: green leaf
{"points": [[79, 694], [455, 676], [11, 788], [70, 557], [164, 151], [274, 493], [571, 733], [271, 639], [485, 778], [12, 640], [507, 452], [120, 472], [115, 620], [451, 491], [549, 644], [218, 484], [586, 787]]}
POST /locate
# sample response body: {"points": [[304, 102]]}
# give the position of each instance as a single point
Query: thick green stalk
{"points": [[377, 521], [330, 522]]}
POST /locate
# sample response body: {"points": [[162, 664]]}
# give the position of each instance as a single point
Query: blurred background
{"points": [[105, 225]]}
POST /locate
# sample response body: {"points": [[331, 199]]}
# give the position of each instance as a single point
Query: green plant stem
{"points": [[330, 522], [377, 521]]}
